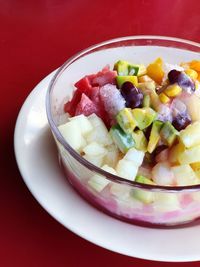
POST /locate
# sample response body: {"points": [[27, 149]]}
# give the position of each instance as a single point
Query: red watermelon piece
{"points": [[86, 106]]}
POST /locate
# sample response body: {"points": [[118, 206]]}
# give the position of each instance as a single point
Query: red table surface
{"points": [[35, 38]]}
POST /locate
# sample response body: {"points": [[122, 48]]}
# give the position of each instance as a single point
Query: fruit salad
{"points": [[140, 123]]}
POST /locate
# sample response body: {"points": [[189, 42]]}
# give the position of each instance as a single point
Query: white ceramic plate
{"points": [[38, 163]]}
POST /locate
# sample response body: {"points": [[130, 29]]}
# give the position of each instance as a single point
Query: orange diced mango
{"points": [[155, 71], [195, 65]]}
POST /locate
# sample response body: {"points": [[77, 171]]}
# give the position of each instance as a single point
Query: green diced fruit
{"points": [[126, 120], [146, 101], [142, 179], [122, 79], [168, 133], [144, 117], [121, 67], [122, 140], [138, 69], [140, 140], [133, 69], [154, 136], [144, 196], [190, 136]]}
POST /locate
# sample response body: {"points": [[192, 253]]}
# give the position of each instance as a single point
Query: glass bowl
{"points": [[162, 206]]}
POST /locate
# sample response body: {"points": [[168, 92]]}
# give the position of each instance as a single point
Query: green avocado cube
{"points": [[140, 140], [168, 133], [137, 69], [154, 136], [126, 120], [122, 140], [122, 79], [121, 67], [146, 101], [144, 117]]}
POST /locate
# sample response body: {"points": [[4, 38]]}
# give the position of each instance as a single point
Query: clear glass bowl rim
{"points": [[79, 158]]}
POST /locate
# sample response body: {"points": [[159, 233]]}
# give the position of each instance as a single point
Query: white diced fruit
{"points": [[112, 156], [99, 182], [72, 134], [190, 155], [127, 169], [84, 123], [135, 156], [94, 149], [96, 160], [184, 175], [164, 202], [99, 132], [190, 136], [162, 174]]}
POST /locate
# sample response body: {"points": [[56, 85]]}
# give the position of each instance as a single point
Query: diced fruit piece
{"points": [[166, 202], [94, 149], [70, 106], [106, 76], [140, 69], [146, 101], [164, 98], [72, 134], [122, 79], [112, 156], [144, 196], [99, 132], [192, 74], [143, 180], [144, 79], [132, 95], [135, 156], [96, 160], [85, 106], [190, 136], [168, 133], [155, 71], [184, 175], [126, 120], [121, 192], [84, 123], [140, 140], [182, 80], [122, 140], [154, 136], [162, 174], [144, 117], [173, 90], [121, 67], [190, 155], [196, 168], [193, 103], [195, 65], [175, 152], [126, 169], [84, 84]]}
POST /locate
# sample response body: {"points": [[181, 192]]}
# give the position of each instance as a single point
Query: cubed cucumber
{"points": [[126, 120]]}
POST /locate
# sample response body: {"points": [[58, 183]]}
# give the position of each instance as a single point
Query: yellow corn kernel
{"points": [[163, 98], [192, 73], [173, 90]]}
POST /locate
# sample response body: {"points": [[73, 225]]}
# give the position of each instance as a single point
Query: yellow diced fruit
{"points": [[155, 71], [190, 136], [174, 153], [190, 155], [192, 74], [196, 168], [173, 90], [195, 65], [144, 78], [164, 98]]}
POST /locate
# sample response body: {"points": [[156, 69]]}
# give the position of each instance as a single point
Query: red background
{"points": [[36, 37]]}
